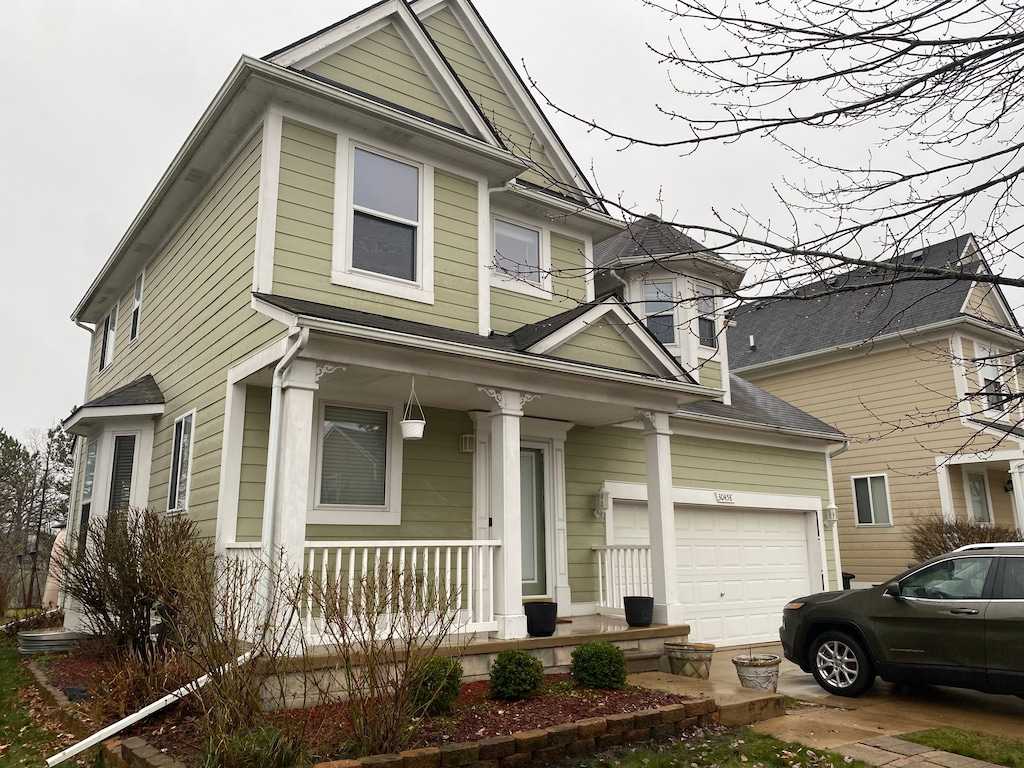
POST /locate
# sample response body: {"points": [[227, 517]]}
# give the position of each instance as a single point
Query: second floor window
{"points": [[707, 331], [517, 252], [136, 309], [659, 310], [109, 336], [385, 216], [993, 390]]}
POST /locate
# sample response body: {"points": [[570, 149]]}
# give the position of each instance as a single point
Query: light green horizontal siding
{"points": [[195, 323], [382, 65], [711, 373], [489, 95], [253, 476], [437, 487], [602, 344], [306, 230], [511, 309]]}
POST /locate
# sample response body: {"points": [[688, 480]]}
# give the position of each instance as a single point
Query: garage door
{"points": [[737, 567]]}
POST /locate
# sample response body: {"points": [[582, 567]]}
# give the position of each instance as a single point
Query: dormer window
{"points": [[707, 330], [659, 310]]}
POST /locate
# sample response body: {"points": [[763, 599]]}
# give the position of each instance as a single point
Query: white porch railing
{"points": [[623, 569], [459, 570]]}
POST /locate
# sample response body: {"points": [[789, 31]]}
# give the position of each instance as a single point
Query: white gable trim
{"points": [[395, 13], [645, 345], [514, 89]]}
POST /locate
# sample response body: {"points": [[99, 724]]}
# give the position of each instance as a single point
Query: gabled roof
{"points": [[649, 240], [141, 397], [752, 405], [865, 304]]}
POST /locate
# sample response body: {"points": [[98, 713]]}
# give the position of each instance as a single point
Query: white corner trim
{"points": [[945, 491], [266, 208], [484, 239], [231, 466]]}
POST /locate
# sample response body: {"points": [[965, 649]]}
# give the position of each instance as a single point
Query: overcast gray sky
{"points": [[98, 95]]}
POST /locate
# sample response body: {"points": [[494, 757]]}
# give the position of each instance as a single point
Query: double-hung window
{"points": [[121, 472], [181, 464], [660, 310], [871, 498], [385, 216], [359, 468], [707, 331], [993, 389], [517, 252], [109, 337]]}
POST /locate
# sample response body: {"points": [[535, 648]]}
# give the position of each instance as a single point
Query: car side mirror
{"points": [[892, 589]]}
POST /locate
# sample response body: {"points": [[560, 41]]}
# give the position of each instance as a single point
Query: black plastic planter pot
{"points": [[540, 618], [639, 610]]}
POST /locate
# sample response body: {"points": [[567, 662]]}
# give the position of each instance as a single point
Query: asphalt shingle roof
{"points": [[142, 391], [826, 315]]}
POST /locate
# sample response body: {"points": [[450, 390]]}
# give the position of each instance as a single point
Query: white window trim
{"points": [[986, 351], [390, 513], [172, 510], [515, 284], [108, 338], [888, 500], [342, 271], [135, 320], [965, 471]]}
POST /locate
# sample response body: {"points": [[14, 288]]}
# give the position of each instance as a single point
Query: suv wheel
{"points": [[840, 664]]}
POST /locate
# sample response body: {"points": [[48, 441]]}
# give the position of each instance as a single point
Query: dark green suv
{"points": [[956, 620]]}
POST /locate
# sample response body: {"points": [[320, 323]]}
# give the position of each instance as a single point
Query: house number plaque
{"points": [[723, 498]]}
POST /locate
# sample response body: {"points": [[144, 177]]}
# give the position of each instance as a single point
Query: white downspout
{"points": [[273, 450]]}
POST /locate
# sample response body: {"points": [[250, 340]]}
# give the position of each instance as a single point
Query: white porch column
{"points": [[295, 454], [506, 512], [1017, 476], [662, 515]]}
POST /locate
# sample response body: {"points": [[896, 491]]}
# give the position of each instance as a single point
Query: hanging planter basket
{"points": [[414, 420]]}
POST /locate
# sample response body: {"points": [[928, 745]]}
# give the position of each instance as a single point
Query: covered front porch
{"points": [[482, 507]]}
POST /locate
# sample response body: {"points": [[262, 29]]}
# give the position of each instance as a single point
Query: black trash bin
{"points": [[847, 578]]}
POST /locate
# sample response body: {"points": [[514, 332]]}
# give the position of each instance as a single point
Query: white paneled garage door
{"points": [[737, 567]]}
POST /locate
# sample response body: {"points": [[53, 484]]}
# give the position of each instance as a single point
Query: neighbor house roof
{"points": [[864, 304]]}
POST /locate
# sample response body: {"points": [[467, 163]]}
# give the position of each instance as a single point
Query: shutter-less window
{"points": [[121, 474], [177, 496], [354, 456]]}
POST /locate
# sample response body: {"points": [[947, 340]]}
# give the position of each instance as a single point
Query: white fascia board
{"points": [[547, 364], [648, 348], [513, 86], [257, 81], [597, 224], [717, 268], [397, 13], [90, 414]]}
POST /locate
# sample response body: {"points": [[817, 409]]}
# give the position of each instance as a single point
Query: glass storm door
{"points": [[531, 468]]}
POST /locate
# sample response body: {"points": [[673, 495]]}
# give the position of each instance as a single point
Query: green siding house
{"points": [[380, 216]]}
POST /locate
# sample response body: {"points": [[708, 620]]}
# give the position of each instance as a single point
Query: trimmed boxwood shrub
{"points": [[516, 675], [437, 688], [599, 665]]}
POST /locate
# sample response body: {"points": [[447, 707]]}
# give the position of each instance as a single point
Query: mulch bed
{"points": [[475, 716]]}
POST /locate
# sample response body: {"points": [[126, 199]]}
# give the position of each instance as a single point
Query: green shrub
{"points": [[437, 687], [599, 665], [516, 675]]}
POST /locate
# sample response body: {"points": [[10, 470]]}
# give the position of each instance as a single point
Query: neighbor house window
{"points": [[181, 464], [354, 457], [993, 389], [871, 498], [121, 472], [707, 331], [517, 252], [978, 497], [660, 310], [136, 309], [109, 336], [385, 216]]}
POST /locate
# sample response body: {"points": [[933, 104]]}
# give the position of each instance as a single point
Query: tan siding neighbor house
{"points": [[375, 307]]}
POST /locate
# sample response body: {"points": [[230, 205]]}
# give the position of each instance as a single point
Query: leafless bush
{"points": [[381, 631], [933, 535]]}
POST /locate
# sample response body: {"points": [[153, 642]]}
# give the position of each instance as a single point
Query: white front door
{"points": [[534, 523]]}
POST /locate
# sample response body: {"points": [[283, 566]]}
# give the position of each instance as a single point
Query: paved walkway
{"points": [[863, 728]]}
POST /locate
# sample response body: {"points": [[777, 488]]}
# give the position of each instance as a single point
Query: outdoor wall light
{"points": [[830, 515], [604, 501]]}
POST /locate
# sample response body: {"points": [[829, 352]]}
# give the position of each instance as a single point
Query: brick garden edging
{"points": [[519, 750]]}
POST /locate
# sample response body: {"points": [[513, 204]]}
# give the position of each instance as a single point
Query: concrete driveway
{"points": [[819, 719]]}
